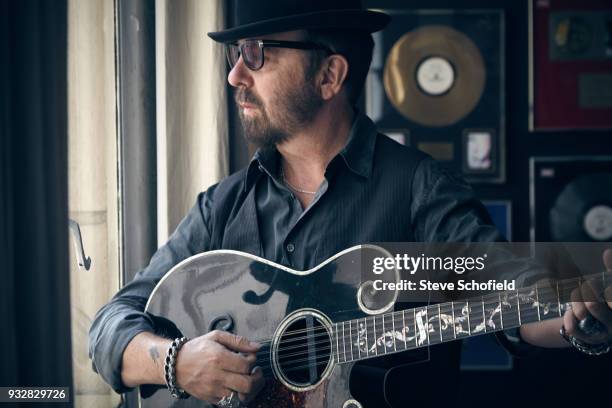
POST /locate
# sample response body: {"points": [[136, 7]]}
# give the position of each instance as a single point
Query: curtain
{"points": [[93, 187], [34, 294], [192, 135]]}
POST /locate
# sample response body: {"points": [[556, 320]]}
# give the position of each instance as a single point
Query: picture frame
{"points": [[437, 118], [570, 65]]}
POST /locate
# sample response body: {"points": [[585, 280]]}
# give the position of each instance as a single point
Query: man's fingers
{"points": [[570, 323], [243, 384], [234, 342], [258, 383], [578, 307], [594, 304], [235, 363]]}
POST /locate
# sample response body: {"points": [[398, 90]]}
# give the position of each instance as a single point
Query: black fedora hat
{"points": [[254, 18]]}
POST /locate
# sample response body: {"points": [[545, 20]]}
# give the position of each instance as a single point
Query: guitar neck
{"points": [[409, 329]]}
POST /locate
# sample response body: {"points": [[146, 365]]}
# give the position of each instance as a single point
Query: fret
{"points": [[433, 322], [388, 333], [363, 333], [461, 323], [393, 331], [518, 307], [538, 301], [447, 330], [344, 343], [454, 328], [416, 328], [336, 351], [467, 308], [384, 336], [548, 301], [565, 289], [410, 329], [400, 334], [440, 323], [358, 340], [528, 306], [405, 329], [421, 325], [509, 309], [378, 337], [355, 339], [492, 312], [484, 316], [381, 343], [351, 342], [476, 317], [371, 330], [501, 310]]}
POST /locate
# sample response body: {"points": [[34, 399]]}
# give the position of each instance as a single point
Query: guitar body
{"points": [[269, 303]]}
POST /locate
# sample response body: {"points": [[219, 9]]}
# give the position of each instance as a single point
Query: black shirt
{"points": [[375, 190]]}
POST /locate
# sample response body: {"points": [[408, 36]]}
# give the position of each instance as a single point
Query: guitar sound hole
{"points": [[304, 351]]}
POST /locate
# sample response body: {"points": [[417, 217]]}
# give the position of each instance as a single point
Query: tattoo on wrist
{"points": [[154, 354]]}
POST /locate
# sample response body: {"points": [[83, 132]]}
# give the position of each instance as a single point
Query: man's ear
{"points": [[334, 71]]}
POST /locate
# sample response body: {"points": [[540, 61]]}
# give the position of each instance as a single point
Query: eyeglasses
{"points": [[252, 51]]}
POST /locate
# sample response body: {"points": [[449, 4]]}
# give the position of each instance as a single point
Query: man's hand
{"points": [[591, 298], [210, 367]]}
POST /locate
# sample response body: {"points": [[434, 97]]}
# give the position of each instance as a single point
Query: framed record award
{"points": [[440, 75], [570, 66], [571, 199]]}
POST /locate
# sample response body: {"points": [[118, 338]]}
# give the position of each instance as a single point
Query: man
{"points": [[323, 180]]}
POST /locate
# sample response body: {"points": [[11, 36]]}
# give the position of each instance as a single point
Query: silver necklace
{"points": [[292, 187]]}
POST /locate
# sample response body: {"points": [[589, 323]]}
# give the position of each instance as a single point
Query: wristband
{"points": [[170, 368], [590, 349]]}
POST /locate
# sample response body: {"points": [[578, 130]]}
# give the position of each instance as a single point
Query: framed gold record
{"points": [[434, 75], [440, 75]]}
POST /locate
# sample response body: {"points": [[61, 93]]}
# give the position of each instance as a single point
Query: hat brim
{"points": [[366, 20]]}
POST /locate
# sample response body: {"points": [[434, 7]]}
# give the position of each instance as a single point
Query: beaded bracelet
{"points": [[590, 349], [170, 368]]}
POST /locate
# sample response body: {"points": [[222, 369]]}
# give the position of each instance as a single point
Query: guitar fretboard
{"points": [[393, 332]]}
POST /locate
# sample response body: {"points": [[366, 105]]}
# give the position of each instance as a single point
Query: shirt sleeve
{"points": [[445, 209], [116, 324]]}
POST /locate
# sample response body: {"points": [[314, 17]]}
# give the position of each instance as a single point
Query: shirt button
{"points": [[290, 247]]}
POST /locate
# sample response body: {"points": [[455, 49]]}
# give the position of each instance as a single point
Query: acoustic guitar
{"points": [[315, 324]]}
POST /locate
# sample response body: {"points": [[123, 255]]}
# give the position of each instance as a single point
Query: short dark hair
{"points": [[355, 45]]}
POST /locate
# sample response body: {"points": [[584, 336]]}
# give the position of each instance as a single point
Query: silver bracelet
{"points": [[590, 349], [170, 368]]}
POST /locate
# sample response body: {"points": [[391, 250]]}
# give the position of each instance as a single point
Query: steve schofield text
{"points": [[461, 284], [459, 265]]}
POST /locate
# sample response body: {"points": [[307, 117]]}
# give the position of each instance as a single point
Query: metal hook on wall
{"points": [[83, 261]]}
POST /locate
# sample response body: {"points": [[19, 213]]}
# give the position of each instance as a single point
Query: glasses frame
{"points": [[296, 45]]}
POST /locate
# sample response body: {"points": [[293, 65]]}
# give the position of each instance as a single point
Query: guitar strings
{"points": [[494, 298], [323, 331], [530, 313], [327, 343], [386, 328], [327, 360]]}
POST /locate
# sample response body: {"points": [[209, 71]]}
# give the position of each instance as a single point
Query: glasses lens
{"points": [[252, 54], [232, 51]]}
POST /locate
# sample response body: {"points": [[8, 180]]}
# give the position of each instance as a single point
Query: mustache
{"points": [[245, 96]]}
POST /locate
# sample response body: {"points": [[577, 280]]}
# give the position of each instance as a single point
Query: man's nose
{"points": [[240, 75]]}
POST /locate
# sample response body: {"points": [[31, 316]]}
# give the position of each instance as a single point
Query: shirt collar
{"points": [[358, 153]]}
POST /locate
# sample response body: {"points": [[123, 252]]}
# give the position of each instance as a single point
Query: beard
{"points": [[289, 112]]}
